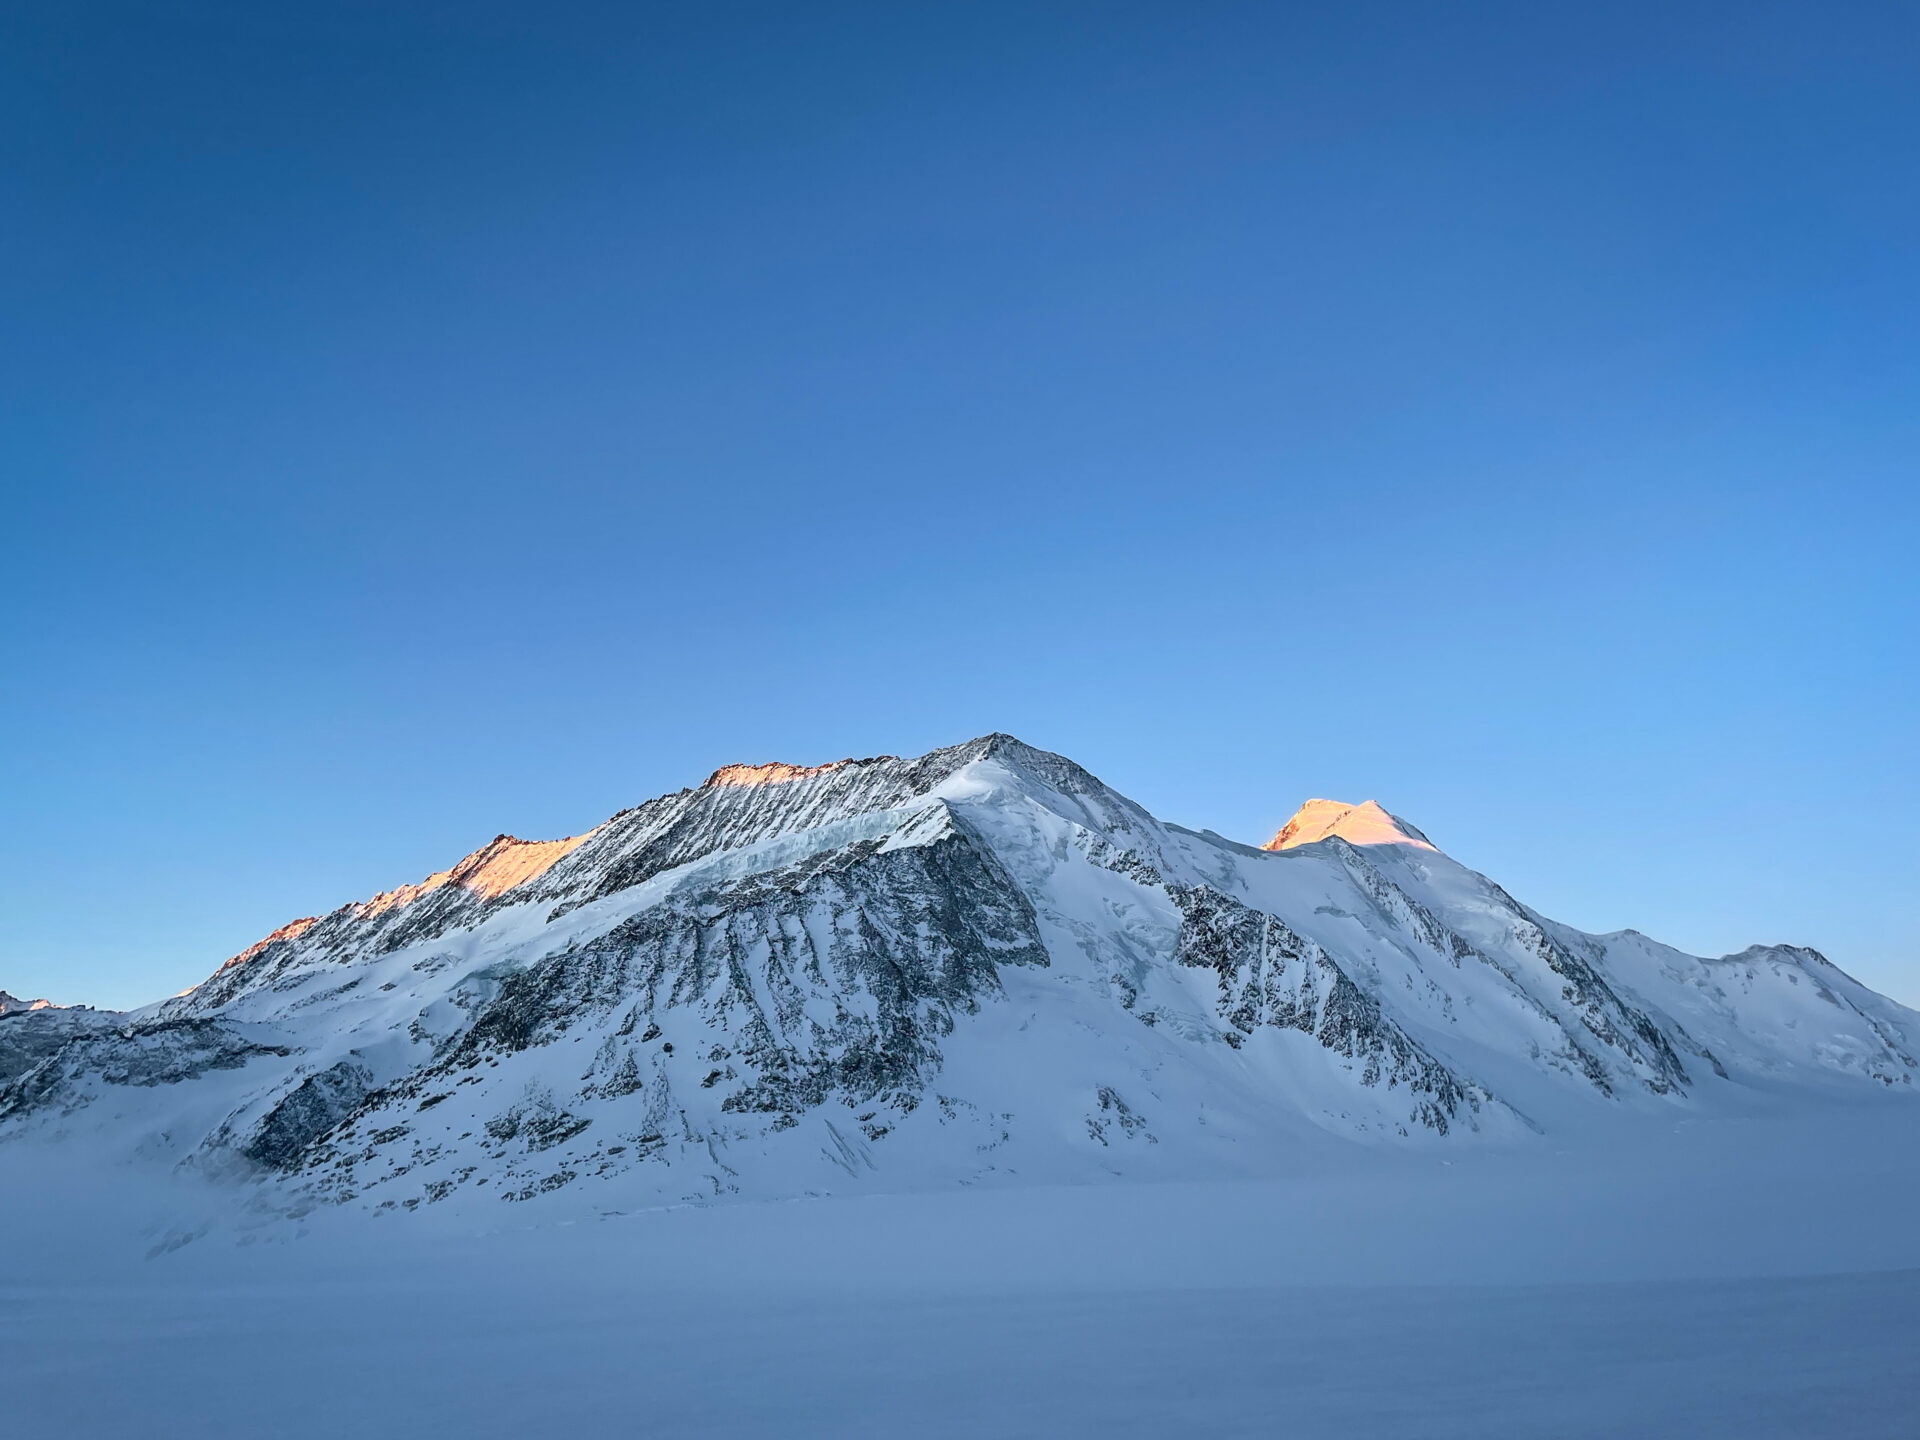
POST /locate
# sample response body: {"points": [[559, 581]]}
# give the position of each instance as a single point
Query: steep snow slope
{"points": [[1770, 1013], [978, 966]]}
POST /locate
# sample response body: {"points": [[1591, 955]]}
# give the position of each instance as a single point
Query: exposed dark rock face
{"points": [[832, 979], [1270, 975], [314, 1107], [164, 1052], [1608, 1018], [916, 933], [29, 1035]]}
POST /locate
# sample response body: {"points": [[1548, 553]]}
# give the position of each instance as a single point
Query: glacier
{"points": [[971, 1039]]}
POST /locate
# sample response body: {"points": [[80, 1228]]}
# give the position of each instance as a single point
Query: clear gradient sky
{"points": [[418, 422]]}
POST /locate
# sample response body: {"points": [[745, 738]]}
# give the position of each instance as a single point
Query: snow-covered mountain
{"points": [[978, 966], [13, 1004]]}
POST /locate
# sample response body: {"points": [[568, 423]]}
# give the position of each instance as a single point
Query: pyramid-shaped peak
{"points": [[1363, 824]]}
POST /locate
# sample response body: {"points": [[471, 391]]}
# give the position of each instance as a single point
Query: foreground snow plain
{"points": [[1157, 1135], [1731, 1278]]}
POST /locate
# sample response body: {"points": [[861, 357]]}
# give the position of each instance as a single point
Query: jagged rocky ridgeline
{"points": [[981, 965]]}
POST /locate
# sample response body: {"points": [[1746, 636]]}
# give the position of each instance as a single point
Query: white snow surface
{"points": [[1749, 1278], [961, 1096]]}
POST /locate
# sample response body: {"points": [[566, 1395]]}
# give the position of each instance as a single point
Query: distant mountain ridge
{"points": [[979, 965], [33, 1030]]}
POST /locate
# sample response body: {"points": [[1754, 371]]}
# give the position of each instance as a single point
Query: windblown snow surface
{"points": [[960, 1096]]}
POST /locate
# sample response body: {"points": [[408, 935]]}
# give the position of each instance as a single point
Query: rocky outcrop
{"points": [[32, 1033], [1269, 975], [161, 1052]]}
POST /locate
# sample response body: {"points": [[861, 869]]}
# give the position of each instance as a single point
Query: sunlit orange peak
{"points": [[292, 930], [1362, 824], [489, 872], [508, 862], [770, 774]]}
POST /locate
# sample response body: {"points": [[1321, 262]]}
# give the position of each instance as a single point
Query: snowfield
{"points": [[1733, 1278], [957, 1096]]}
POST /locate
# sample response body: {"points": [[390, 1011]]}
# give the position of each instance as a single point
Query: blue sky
{"points": [[422, 422]]}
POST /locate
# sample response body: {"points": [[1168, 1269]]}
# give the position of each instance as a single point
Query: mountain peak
{"points": [[11, 1003], [508, 861], [489, 872], [1363, 824], [774, 772]]}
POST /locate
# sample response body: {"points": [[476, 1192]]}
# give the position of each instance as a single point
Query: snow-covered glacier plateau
{"points": [[961, 1095]]}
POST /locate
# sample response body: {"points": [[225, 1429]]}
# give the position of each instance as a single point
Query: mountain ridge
{"points": [[978, 965]]}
